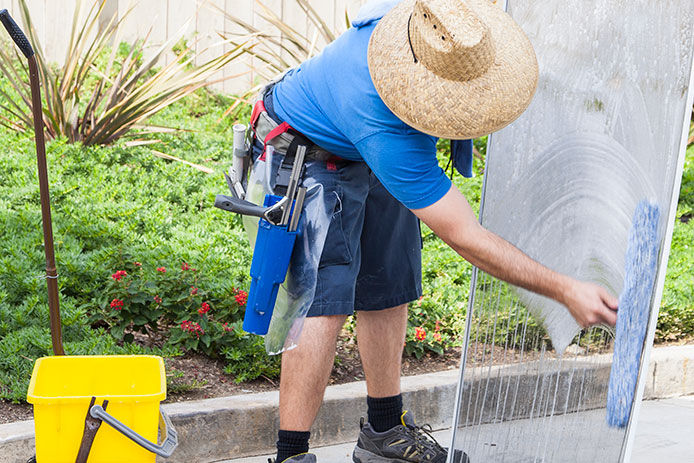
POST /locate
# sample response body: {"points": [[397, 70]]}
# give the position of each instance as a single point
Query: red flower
{"points": [[116, 304], [185, 266], [227, 328], [437, 337], [157, 299], [119, 274], [193, 290], [420, 334], [204, 308], [161, 269], [192, 327], [137, 264], [241, 297]]}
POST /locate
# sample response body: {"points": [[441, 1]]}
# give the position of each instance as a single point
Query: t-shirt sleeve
{"points": [[406, 165]]}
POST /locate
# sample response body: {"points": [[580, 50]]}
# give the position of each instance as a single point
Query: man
{"points": [[377, 99]]}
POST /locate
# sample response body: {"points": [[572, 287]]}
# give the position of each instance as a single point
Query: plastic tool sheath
{"points": [[51, 272]]}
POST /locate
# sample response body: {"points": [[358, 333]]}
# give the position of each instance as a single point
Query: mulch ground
{"points": [[204, 378]]}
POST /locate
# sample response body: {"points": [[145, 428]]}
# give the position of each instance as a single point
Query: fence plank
{"points": [[210, 22], [295, 17], [261, 71], [178, 13], [243, 9], [146, 17]]}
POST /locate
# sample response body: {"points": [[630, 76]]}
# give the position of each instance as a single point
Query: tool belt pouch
{"points": [[273, 250]]}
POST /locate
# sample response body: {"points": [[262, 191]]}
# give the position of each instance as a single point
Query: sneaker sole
{"points": [[364, 456]]}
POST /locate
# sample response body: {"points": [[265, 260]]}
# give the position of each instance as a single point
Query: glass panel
{"points": [[603, 133]]}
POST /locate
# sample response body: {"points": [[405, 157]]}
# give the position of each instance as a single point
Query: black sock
{"points": [[290, 443], [384, 413]]}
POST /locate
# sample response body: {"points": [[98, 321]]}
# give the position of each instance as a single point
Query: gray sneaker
{"points": [[303, 458], [405, 443]]}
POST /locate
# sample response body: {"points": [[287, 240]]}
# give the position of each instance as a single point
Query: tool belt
{"points": [[282, 136], [266, 130]]}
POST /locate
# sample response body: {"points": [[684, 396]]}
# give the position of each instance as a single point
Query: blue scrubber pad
{"points": [[633, 314]]}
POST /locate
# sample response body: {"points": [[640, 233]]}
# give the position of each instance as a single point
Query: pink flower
{"points": [[157, 299], [185, 266], [119, 274], [116, 304], [204, 308], [437, 337], [161, 269], [420, 334], [193, 290]]}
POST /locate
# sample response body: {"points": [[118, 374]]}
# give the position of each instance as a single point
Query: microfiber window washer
{"points": [[277, 231]]}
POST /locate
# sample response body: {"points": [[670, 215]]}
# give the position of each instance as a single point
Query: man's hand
{"points": [[590, 304], [452, 219]]}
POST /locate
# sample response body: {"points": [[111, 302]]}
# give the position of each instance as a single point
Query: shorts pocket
{"points": [[337, 247]]}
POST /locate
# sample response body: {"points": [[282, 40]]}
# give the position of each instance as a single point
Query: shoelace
{"points": [[424, 439]]}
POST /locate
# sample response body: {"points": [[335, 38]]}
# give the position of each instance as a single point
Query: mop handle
{"points": [[16, 33], [51, 273]]}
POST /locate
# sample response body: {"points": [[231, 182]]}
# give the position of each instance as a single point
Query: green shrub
{"points": [[247, 358], [113, 206]]}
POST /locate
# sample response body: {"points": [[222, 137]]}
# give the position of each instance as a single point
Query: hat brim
{"points": [[447, 108]]}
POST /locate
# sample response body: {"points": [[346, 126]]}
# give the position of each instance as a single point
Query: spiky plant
{"points": [[95, 100]]}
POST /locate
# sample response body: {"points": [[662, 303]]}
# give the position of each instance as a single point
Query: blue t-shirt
{"points": [[332, 100]]}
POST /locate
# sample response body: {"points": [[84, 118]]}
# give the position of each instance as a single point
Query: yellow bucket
{"points": [[61, 389]]}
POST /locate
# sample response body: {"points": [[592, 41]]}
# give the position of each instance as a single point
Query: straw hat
{"points": [[465, 69]]}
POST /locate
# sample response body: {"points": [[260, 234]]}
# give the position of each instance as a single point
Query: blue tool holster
{"points": [[277, 231], [273, 249]]}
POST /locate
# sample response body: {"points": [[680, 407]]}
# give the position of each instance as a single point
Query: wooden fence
{"points": [[164, 18]]}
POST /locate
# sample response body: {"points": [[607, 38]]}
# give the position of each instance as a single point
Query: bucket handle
{"points": [[164, 450]]}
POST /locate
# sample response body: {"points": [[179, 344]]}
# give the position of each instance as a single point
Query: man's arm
{"points": [[453, 220]]}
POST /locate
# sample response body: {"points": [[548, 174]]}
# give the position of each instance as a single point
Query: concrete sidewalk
{"points": [[214, 430], [664, 433]]}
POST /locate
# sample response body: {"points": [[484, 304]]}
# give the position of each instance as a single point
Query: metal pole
{"points": [[51, 272]]}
